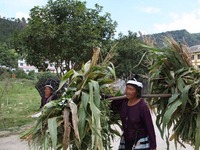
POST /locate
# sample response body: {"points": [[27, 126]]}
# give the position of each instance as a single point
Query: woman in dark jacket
{"points": [[48, 95], [138, 129]]}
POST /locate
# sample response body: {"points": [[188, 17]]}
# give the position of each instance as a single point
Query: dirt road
{"points": [[13, 142]]}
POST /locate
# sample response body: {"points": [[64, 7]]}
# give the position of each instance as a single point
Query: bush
{"points": [[31, 75], [20, 73], [44, 75], [4, 71]]}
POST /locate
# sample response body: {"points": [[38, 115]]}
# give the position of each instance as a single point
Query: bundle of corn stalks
{"points": [[172, 72], [81, 118]]}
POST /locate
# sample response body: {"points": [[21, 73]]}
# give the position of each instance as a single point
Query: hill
{"points": [[8, 27], [182, 36]]}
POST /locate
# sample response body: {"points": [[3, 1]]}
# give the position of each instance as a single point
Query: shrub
{"points": [[20, 73], [44, 75], [31, 75]]}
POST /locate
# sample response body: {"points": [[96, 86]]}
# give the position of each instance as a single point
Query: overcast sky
{"points": [[147, 16]]}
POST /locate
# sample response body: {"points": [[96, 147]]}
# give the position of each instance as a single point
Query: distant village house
{"points": [[195, 54]]}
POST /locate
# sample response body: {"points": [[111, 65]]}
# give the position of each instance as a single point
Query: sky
{"points": [[146, 16]]}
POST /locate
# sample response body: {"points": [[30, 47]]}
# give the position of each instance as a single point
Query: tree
{"points": [[130, 56], [8, 57], [4, 88], [64, 32]]}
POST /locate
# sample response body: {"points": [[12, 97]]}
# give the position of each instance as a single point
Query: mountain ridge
{"points": [[8, 27], [182, 36]]}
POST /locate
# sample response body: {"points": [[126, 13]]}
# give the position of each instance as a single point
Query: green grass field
{"points": [[19, 102]]}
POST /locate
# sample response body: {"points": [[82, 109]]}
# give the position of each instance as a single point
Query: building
{"points": [[195, 54], [27, 68]]}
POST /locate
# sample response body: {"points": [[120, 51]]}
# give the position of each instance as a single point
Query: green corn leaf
{"points": [[180, 84], [94, 74], [65, 78], [52, 127], [82, 114], [46, 141], [180, 71], [197, 135], [191, 129], [112, 70], [185, 72], [170, 110], [173, 98], [184, 96], [75, 74], [96, 93], [96, 125]]}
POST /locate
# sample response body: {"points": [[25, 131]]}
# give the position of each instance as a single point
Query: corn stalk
{"points": [[81, 119], [172, 72]]}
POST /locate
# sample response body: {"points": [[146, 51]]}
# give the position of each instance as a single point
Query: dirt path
{"points": [[13, 142]]}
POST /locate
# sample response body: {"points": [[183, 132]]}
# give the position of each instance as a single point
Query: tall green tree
{"points": [[8, 57], [64, 32], [130, 58]]}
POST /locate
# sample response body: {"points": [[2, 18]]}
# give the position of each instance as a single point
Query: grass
{"points": [[19, 102]]}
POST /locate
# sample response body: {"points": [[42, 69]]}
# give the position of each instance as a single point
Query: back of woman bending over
{"points": [[138, 129]]}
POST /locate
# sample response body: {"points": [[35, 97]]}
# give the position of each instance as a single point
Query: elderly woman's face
{"points": [[47, 91], [131, 92]]}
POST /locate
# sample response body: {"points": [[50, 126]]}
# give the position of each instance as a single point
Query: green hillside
{"points": [[182, 36], [8, 27]]}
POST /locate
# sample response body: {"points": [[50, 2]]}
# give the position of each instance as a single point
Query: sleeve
{"points": [[149, 127], [116, 104]]}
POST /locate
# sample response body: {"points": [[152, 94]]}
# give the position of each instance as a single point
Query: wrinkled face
{"points": [[131, 92], [47, 91]]}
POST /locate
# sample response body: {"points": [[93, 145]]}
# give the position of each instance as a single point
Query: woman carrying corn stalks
{"points": [[48, 95], [138, 129]]}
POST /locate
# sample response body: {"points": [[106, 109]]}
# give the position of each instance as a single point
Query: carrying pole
{"points": [[143, 96]]}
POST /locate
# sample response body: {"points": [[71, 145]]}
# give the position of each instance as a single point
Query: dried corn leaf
{"points": [[73, 109], [67, 129]]}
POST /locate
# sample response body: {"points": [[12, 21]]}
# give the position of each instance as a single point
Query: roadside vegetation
{"points": [[19, 99]]}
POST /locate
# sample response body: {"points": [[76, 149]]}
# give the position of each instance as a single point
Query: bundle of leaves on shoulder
{"points": [[172, 72], [82, 118]]}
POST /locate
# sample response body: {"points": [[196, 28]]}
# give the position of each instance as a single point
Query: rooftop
{"points": [[195, 48]]}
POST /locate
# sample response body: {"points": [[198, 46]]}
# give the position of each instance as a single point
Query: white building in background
{"points": [[27, 68], [195, 53]]}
